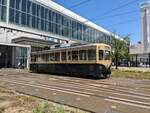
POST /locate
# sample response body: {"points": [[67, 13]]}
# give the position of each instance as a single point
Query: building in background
{"points": [[141, 52]]}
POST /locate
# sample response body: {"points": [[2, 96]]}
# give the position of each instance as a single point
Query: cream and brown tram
{"points": [[91, 60]]}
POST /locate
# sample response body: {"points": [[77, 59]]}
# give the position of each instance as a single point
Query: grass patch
{"points": [[130, 74], [13, 102], [48, 108]]}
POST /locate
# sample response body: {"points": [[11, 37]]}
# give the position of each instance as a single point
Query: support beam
{"points": [[149, 59], [136, 60], [132, 61]]}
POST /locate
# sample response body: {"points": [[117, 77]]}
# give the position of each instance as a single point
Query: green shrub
{"points": [[48, 108]]}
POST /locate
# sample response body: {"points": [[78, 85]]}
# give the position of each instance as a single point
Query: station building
{"points": [[41, 23]]}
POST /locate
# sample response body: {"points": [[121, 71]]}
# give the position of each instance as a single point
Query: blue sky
{"points": [[100, 7]]}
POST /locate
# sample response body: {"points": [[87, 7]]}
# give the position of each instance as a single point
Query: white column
{"points": [[28, 57]]}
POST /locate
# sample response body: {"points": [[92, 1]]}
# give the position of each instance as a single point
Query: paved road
{"points": [[101, 96]]}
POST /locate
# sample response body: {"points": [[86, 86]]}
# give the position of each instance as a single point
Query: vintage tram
{"points": [[91, 60]]}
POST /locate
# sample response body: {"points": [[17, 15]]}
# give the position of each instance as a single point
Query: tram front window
{"points": [[101, 54], [107, 55]]}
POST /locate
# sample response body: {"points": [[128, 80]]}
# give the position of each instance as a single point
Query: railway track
{"points": [[94, 96], [107, 95], [102, 84]]}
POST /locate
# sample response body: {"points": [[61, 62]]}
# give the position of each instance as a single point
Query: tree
{"points": [[127, 41], [119, 49]]}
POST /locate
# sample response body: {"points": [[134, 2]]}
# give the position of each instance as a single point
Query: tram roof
{"points": [[71, 47]]}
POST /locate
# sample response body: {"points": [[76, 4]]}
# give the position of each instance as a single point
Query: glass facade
{"points": [[20, 57], [37, 16], [11, 56], [3, 5]]}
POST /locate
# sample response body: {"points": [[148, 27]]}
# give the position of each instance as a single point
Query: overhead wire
{"points": [[119, 14], [128, 21], [112, 10], [77, 5]]}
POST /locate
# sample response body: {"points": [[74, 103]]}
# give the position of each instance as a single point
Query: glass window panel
{"points": [[42, 24], [50, 27], [29, 7], [29, 20], [46, 14], [57, 18], [12, 3], [33, 22], [46, 26], [23, 19], [4, 2], [53, 28], [57, 27], [42, 12], [24, 5], [33, 9], [11, 15], [50, 13], [3, 13], [54, 17], [0, 11], [18, 4], [38, 11], [17, 17], [38, 23]]}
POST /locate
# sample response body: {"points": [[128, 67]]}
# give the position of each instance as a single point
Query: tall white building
{"points": [[145, 26], [141, 51]]}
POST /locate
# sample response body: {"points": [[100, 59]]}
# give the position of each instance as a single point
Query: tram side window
{"points": [[107, 55], [45, 57], [74, 55], [69, 55], [63, 56], [57, 56], [92, 54], [83, 54], [101, 54], [33, 58], [51, 57]]}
